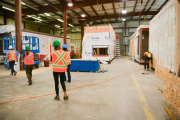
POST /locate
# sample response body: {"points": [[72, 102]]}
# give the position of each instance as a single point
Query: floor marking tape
{"points": [[70, 89], [146, 108]]}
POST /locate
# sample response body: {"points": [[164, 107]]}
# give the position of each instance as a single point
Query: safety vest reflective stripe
{"points": [[12, 55], [29, 56], [60, 57], [59, 66]]}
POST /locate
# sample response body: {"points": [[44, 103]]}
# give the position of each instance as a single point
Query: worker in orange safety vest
{"points": [[11, 58], [68, 62], [29, 63], [59, 66]]}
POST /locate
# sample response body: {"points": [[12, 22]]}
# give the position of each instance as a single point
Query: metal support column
{"points": [[82, 34], [65, 23], [5, 18], [18, 25]]}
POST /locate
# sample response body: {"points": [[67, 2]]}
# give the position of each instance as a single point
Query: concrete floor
{"points": [[131, 96]]}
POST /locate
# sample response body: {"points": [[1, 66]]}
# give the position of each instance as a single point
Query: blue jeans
{"points": [[69, 75]]}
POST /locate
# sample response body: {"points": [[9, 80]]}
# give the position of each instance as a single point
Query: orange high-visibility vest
{"points": [[29, 59], [59, 60], [68, 58], [12, 56]]}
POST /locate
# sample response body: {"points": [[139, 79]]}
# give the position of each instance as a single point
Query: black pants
{"points": [[146, 64], [11, 66], [29, 69], [68, 72], [56, 80]]}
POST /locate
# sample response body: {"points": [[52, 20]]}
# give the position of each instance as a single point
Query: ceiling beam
{"points": [[95, 11], [7, 3], [114, 9], [85, 12], [76, 13], [104, 9], [161, 7], [35, 2], [134, 8], [51, 5], [151, 6], [122, 15], [77, 4], [124, 5], [70, 20]]}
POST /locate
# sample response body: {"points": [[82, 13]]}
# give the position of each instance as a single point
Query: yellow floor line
{"points": [[146, 108], [24, 73]]}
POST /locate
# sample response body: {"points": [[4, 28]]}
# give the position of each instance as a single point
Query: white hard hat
{"points": [[10, 47]]}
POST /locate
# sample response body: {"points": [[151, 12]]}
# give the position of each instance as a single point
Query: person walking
{"points": [[68, 62], [147, 58], [11, 58], [29, 63], [59, 66]]}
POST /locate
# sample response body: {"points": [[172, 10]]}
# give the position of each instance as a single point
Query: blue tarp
{"points": [[84, 65]]}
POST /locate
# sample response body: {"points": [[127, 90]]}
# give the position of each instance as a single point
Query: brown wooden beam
{"points": [[85, 12], [134, 8]]}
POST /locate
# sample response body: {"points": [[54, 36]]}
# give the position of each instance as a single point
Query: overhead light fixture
{"points": [[83, 15], [124, 19], [22, 3], [47, 14], [124, 11], [60, 20], [8, 8], [70, 4], [57, 26], [34, 18], [70, 25]]}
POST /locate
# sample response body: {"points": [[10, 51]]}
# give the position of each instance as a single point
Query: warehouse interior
{"points": [[107, 40]]}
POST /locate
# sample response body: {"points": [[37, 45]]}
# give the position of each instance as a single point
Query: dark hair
{"points": [[27, 52], [56, 47], [65, 49]]}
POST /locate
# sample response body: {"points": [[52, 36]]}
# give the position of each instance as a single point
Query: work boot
{"points": [[66, 98], [57, 98], [30, 81], [15, 73]]}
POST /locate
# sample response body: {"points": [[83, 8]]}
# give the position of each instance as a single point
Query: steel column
{"points": [[18, 25], [82, 34], [65, 23]]}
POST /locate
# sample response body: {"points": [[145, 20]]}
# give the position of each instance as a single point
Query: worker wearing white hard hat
{"points": [[11, 57]]}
